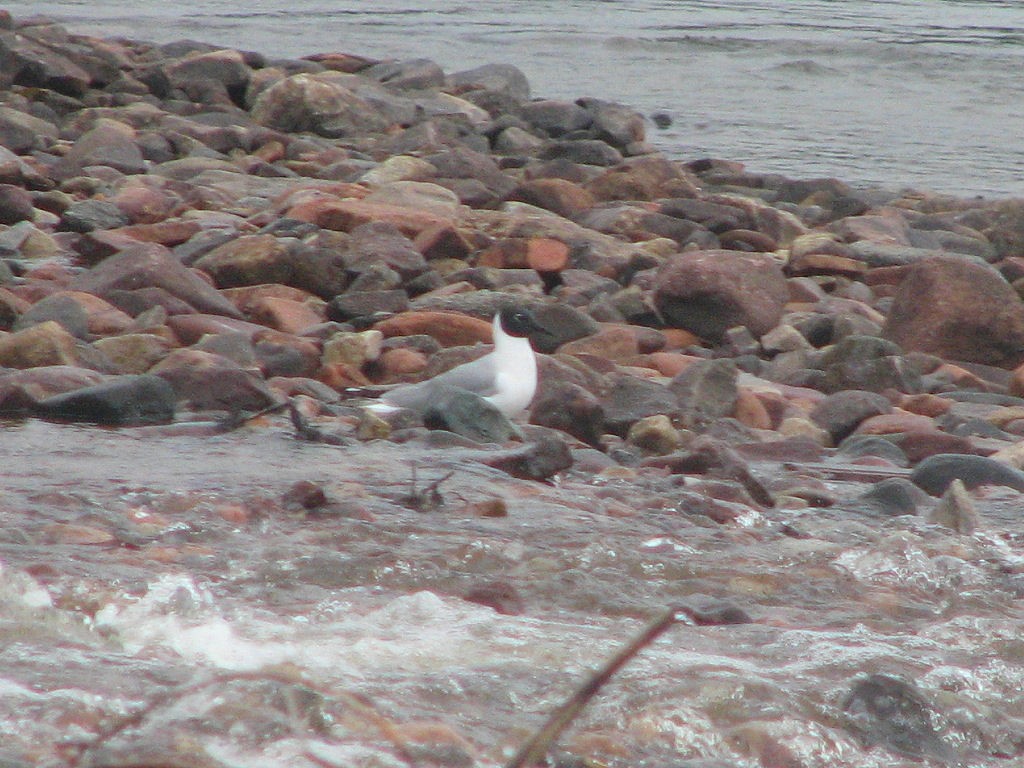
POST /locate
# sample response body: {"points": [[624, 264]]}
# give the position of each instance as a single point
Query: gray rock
{"points": [[706, 390], [61, 309], [630, 399], [935, 473], [570, 408], [500, 78], [539, 460], [21, 132], [840, 413], [466, 413], [122, 401], [87, 215], [893, 496], [15, 205]]}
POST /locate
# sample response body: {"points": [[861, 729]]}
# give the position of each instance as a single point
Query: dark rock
{"points": [[87, 215], [859, 446], [152, 266], [630, 399], [555, 118], [958, 310], [32, 64], [935, 473], [352, 304], [706, 611], [15, 205], [709, 456], [503, 597], [709, 292], [561, 324], [893, 496], [382, 243], [840, 413], [706, 390], [886, 711], [466, 413], [538, 460], [570, 408], [868, 363], [21, 132], [582, 151], [22, 390], [210, 382], [121, 401]]}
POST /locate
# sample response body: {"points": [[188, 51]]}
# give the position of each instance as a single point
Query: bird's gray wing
{"points": [[477, 376]]}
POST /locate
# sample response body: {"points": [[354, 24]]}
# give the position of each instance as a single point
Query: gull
{"points": [[506, 377]]}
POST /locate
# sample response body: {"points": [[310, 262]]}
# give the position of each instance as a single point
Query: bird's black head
{"points": [[518, 321]]}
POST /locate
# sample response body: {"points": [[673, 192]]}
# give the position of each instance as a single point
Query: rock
{"points": [[841, 412], [630, 399], [556, 195], [555, 118], [706, 390], [868, 363], [859, 446], [121, 401], [46, 343], [655, 435], [935, 473], [249, 260], [466, 413], [346, 215], [133, 352], [227, 68], [26, 241], [316, 104], [58, 308], [87, 215], [709, 292], [354, 304], [109, 143], [21, 390], [538, 460], [21, 132], [570, 408], [885, 710], [617, 343], [449, 328], [707, 455], [15, 205], [955, 510], [616, 124], [152, 266], [382, 243], [582, 151], [411, 74], [958, 310], [210, 382], [499, 78], [893, 496]]}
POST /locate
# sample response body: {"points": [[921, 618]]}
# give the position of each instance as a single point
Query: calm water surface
{"points": [[924, 94]]}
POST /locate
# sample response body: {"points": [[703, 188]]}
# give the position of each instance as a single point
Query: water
{"points": [[897, 94], [215, 623]]}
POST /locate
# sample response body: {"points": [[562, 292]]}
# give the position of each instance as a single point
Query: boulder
{"points": [[120, 401]]}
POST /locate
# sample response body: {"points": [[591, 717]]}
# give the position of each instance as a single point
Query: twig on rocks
{"points": [[427, 500], [538, 745]]}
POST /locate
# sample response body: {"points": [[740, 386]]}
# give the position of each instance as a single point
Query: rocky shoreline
{"points": [[188, 230]]}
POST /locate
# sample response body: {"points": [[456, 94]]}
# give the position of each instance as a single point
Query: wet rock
{"points": [[539, 460], [958, 310], [503, 597], [152, 266], [630, 399], [706, 611], [841, 412], [46, 343], [709, 456], [893, 496], [15, 205], [955, 510], [887, 711], [20, 390], [467, 414], [706, 390], [206, 381], [709, 292], [315, 104], [570, 408], [860, 446], [935, 473], [121, 401]]}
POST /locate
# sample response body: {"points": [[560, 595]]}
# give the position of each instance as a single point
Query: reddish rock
{"points": [[346, 215], [144, 203], [958, 310], [897, 421], [403, 361], [43, 344], [611, 342], [307, 102], [920, 445], [206, 381], [442, 241], [648, 177], [670, 363], [191, 328], [451, 329], [15, 205], [103, 318], [556, 195], [709, 292], [248, 260], [285, 315], [148, 266], [545, 254], [169, 233], [926, 404], [750, 410], [109, 143]]}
